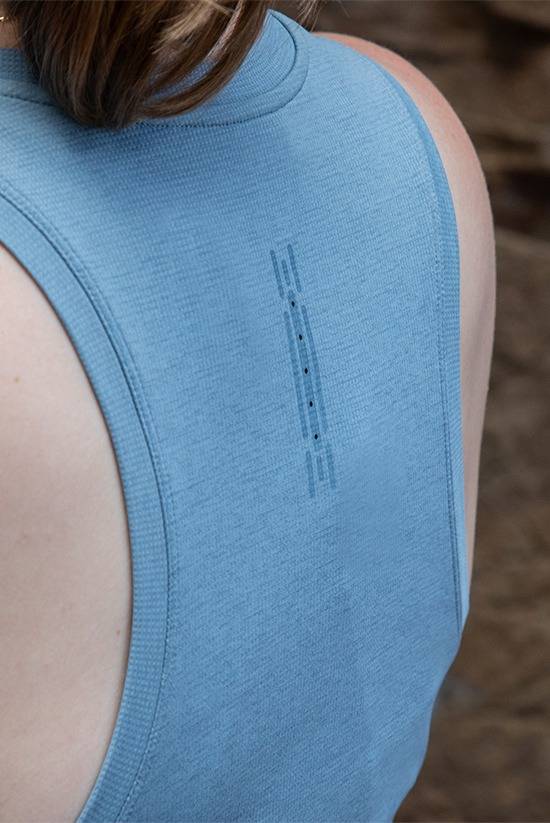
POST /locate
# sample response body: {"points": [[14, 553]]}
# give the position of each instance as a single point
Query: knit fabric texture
{"points": [[264, 293]]}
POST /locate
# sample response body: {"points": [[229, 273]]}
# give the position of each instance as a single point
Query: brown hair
{"points": [[102, 61]]}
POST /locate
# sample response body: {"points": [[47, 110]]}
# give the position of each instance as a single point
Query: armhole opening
{"points": [[92, 337]]}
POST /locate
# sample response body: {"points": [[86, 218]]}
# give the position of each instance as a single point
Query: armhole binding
{"points": [[448, 286], [80, 307]]}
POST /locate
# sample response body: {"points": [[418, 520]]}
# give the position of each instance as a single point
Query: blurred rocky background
{"points": [[489, 752]]}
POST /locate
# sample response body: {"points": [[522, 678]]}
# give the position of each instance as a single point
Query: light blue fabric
{"points": [[265, 295]]}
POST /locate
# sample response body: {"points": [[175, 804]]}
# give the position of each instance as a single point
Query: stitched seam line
{"points": [[113, 332], [15, 96], [197, 125], [397, 91]]}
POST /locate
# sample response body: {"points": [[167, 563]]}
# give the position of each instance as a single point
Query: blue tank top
{"points": [[264, 293]]}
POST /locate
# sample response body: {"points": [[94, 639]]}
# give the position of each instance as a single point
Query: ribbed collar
{"points": [[271, 74]]}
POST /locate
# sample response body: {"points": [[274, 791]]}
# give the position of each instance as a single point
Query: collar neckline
{"points": [[270, 75]]}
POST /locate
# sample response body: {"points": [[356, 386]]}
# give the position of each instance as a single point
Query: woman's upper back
{"points": [[264, 295]]}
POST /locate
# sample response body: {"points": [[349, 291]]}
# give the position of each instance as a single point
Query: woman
{"points": [[247, 317]]}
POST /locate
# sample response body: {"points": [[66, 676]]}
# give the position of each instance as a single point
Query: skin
{"points": [[64, 535], [64, 539]]}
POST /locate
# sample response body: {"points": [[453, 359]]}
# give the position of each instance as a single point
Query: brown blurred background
{"points": [[489, 752]]}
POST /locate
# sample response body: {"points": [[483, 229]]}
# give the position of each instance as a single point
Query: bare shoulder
{"points": [[64, 564], [477, 249]]}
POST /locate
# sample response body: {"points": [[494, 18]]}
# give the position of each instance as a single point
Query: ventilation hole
{"points": [[292, 302], [316, 436], [305, 371], [311, 402], [300, 337]]}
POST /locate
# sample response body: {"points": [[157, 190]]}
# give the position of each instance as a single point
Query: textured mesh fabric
{"points": [[264, 293]]}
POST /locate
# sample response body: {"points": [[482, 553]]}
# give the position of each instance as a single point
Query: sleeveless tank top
{"points": [[264, 293]]}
